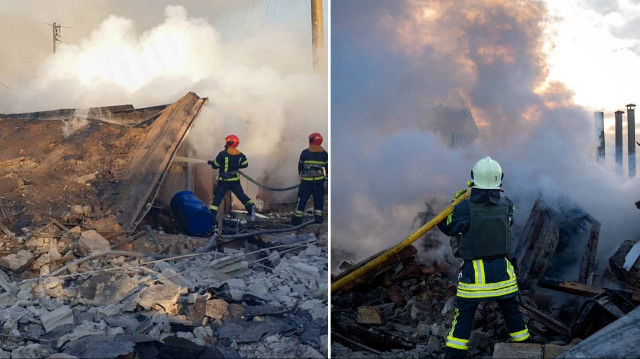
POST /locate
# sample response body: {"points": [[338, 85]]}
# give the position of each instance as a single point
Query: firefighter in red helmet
{"points": [[313, 170], [228, 162]]}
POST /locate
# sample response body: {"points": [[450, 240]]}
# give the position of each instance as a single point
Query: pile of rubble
{"points": [[406, 311], [84, 292]]}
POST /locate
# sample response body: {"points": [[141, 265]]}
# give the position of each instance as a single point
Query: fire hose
{"points": [[197, 160], [398, 247]]}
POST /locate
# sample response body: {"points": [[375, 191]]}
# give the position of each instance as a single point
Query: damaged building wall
{"points": [[110, 160]]}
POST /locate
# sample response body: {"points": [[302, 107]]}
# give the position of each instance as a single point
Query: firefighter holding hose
{"points": [[312, 168], [228, 162], [480, 232]]}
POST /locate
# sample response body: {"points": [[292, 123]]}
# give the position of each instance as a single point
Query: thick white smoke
{"points": [[403, 59], [260, 86]]}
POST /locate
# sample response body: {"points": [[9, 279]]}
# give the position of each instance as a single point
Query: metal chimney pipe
{"points": [[599, 117], [619, 141], [631, 139]]}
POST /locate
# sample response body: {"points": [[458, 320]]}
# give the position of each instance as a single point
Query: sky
{"points": [[532, 74], [251, 58]]}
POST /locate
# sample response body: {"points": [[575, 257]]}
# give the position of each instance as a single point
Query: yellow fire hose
{"points": [[398, 247]]}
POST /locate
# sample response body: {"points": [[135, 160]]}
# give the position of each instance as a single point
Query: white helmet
{"points": [[487, 174]]}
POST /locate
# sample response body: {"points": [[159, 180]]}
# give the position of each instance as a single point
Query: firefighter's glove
{"points": [[638, 204], [209, 162], [459, 194]]}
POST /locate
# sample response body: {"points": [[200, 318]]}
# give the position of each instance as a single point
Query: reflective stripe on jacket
{"points": [[487, 278]]}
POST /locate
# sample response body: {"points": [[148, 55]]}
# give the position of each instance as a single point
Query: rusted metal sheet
{"points": [[152, 158]]}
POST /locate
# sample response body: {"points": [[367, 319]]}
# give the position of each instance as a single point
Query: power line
{"points": [[266, 12], [5, 85]]}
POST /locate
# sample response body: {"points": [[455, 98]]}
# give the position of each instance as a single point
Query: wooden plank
{"points": [[581, 289], [151, 160], [11, 162], [542, 318]]}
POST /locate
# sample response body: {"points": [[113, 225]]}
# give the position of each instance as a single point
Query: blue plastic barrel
{"points": [[191, 213]]}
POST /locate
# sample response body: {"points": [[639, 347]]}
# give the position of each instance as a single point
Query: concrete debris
{"points": [[56, 318], [56, 301], [217, 309], [34, 351], [161, 297], [369, 315], [517, 351], [16, 262], [91, 242], [106, 288]]}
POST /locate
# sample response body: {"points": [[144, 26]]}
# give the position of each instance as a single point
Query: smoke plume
{"points": [[260, 84], [395, 62]]}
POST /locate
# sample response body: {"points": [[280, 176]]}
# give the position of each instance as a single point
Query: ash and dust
{"points": [[257, 74], [397, 65]]}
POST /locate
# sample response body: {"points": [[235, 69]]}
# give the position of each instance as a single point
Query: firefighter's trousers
{"points": [[458, 337], [221, 189], [306, 190]]}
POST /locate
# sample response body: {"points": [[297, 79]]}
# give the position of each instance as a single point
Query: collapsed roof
{"points": [[112, 159]]}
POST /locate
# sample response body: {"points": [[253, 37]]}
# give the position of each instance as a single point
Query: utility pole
{"points": [[317, 36], [56, 35]]}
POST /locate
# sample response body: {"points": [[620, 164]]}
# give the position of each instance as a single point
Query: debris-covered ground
{"points": [[405, 309], [68, 289]]}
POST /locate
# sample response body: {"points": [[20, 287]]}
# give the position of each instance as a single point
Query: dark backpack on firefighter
{"points": [[488, 235]]}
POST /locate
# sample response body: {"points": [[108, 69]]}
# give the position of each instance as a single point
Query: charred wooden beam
{"points": [[584, 290], [404, 254], [542, 318]]}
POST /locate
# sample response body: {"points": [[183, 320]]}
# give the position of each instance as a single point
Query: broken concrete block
{"points": [[42, 260], [419, 310], [16, 261], [85, 328], [369, 315], [4, 355], [91, 242], [56, 318], [236, 310], [107, 288], [161, 296], [305, 271], [87, 178], [554, 350], [448, 306], [217, 308], [31, 351], [517, 351], [169, 276], [76, 209]]}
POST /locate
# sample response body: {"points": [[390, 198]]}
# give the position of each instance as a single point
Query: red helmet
{"points": [[315, 139], [232, 141]]}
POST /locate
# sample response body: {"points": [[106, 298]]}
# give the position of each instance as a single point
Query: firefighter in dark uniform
{"points": [[480, 232], [229, 161], [313, 169]]}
